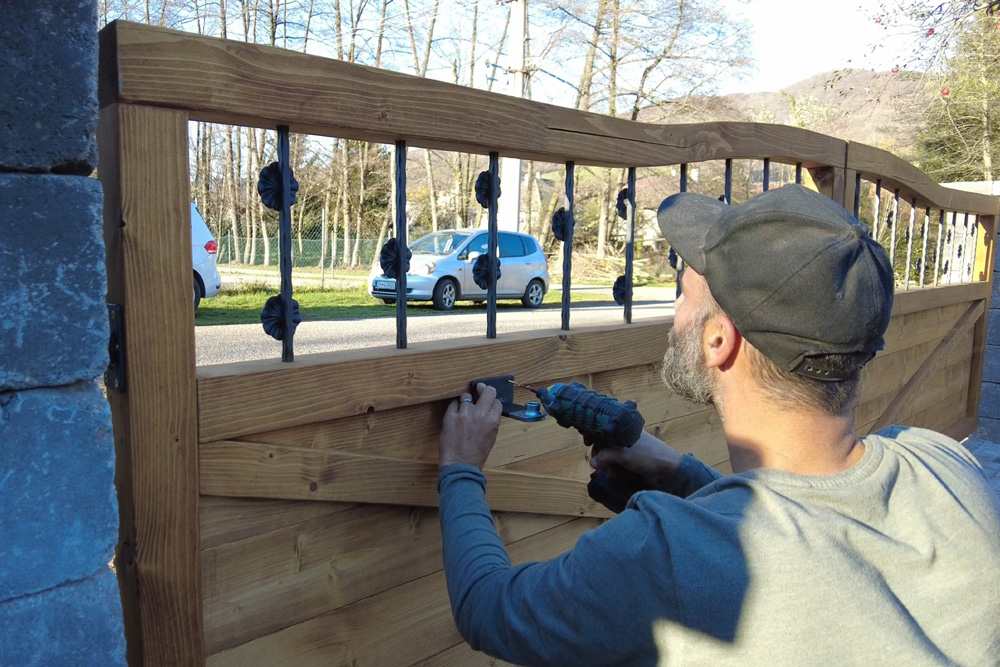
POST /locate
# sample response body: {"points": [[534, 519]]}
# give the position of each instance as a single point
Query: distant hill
{"points": [[857, 105]]}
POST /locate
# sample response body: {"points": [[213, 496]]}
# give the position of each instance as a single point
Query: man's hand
{"points": [[470, 428], [655, 460]]}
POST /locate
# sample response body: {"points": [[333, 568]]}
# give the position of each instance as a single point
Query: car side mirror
{"points": [[473, 256]]}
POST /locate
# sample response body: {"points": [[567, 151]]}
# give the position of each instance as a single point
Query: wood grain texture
{"points": [[268, 582], [322, 388], [247, 84], [148, 237], [253, 470], [873, 163], [928, 298], [416, 616], [901, 403]]}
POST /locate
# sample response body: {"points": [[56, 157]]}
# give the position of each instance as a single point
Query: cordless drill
{"points": [[604, 422]]}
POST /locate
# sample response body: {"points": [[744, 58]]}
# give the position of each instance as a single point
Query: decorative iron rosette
{"points": [[562, 222], [481, 271], [620, 290], [483, 189], [622, 198], [387, 258], [272, 316], [269, 186]]}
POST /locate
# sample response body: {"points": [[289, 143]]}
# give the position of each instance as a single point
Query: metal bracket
{"points": [[114, 377], [530, 412]]}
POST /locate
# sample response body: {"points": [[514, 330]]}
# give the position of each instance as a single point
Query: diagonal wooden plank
{"points": [[255, 470], [909, 391]]}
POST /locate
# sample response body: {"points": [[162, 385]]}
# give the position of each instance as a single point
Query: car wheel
{"points": [[388, 302], [445, 293], [197, 294], [533, 294]]}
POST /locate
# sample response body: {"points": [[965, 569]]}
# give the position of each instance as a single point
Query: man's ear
{"points": [[720, 341]]}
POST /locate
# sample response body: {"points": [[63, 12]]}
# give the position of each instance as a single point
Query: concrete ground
{"points": [[988, 454]]}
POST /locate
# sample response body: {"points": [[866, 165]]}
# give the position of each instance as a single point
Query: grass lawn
{"points": [[242, 305]]}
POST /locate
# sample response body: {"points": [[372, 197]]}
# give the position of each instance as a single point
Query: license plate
{"points": [[385, 285]]}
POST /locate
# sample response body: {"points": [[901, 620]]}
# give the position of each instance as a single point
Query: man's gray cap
{"points": [[797, 274]]}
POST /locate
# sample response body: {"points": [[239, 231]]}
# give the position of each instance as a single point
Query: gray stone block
{"points": [[54, 328], [58, 508], [993, 327], [989, 402], [48, 113], [991, 364], [989, 429], [78, 624]]}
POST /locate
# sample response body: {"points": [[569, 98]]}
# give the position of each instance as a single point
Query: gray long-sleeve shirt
{"points": [[895, 561]]}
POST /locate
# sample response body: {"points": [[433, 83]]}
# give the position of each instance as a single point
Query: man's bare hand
{"points": [[655, 460], [470, 428]]}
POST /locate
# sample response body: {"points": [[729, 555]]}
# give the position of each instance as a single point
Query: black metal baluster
{"points": [[285, 246], [923, 250], [630, 247], [798, 173], [892, 231], [767, 173], [909, 240], [729, 181], [937, 252], [878, 208], [401, 245], [493, 234], [857, 197], [568, 246]]}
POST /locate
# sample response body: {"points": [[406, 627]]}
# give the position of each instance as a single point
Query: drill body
{"points": [[604, 422]]}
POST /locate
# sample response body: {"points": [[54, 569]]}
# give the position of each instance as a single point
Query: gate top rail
{"points": [[225, 81]]}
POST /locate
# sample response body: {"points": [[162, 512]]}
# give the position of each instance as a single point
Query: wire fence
{"points": [[237, 251]]}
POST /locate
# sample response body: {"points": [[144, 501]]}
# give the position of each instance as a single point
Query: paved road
{"points": [[243, 342]]}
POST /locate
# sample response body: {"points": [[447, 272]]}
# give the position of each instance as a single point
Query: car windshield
{"points": [[440, 243]]}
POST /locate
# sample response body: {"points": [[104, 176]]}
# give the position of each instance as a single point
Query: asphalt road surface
{"points": [[244, 342]]}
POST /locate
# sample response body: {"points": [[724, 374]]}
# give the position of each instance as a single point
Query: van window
{"points": [[511, 246]]}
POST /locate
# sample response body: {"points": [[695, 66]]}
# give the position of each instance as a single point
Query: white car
{"points": [[204, 249], [441, 269]]}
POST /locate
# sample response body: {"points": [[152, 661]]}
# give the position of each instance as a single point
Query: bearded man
{"points": [[821, 547]]}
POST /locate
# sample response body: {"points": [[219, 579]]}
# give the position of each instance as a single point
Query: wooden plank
{"points": [[916, 328], [239, 83], [226, 520], [253, 470], [873, 163], [962, 429], [912, 386], [887, 374], [270, 395], [928, 298], [417, 613], [461, 655], [698, 142], [948, 385], [986, 235], [944, 415], [260, 585], [147, 232]]}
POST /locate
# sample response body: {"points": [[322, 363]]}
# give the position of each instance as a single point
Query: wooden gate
{"points": [[285, 513]]}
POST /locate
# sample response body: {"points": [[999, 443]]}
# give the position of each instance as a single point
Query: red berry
{"points": [[895, 70], [930, 31], [945, 91]]}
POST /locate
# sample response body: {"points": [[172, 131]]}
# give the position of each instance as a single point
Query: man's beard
{"points": [[684, 368]]}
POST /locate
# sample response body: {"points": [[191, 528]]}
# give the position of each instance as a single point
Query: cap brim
{"points": [[685, 219]]}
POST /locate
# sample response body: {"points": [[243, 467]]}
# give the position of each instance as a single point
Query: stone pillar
{"points": [[989, 403], [59, 599]]}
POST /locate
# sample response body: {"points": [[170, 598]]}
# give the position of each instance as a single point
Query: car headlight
{"points": [[423, 269]]}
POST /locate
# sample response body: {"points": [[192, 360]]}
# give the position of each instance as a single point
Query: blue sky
{"points": [[794, 39]]}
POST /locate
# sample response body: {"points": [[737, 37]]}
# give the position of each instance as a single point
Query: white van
{"points": [[204, 249]]}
